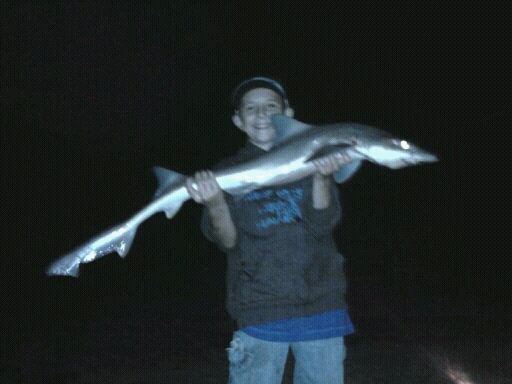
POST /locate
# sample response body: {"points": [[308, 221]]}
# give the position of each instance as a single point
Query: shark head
{"points": [[363, 142], [393, 152]]}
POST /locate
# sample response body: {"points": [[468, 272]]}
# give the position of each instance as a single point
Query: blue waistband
{"points": [[325, 325]]}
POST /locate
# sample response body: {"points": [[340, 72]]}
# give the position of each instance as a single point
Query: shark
{"points": [[296, 145]]}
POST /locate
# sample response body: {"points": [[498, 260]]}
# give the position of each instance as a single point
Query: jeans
{"points": [[253, 360]]}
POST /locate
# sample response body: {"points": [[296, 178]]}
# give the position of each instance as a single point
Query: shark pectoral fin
{"points": [[166, 178], [286, 127], [125, 243], [347, 171]]}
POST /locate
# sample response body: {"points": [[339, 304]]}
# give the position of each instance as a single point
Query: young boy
{"points": [[285, 280]]}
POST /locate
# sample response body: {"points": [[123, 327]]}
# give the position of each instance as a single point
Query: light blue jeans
{"points": [[253, 360]]}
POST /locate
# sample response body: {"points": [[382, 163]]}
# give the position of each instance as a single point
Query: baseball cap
{"points": [[257, 82]]}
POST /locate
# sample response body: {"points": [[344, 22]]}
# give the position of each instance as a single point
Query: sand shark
{"points": [[290, 159]]}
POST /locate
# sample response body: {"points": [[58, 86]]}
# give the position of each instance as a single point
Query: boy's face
{"points": [[253, 115]]}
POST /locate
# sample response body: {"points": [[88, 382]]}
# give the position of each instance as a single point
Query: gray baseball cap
{"points": [[257, 82]]}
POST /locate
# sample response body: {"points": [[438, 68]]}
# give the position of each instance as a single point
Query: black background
{"points": [[95, 94]]}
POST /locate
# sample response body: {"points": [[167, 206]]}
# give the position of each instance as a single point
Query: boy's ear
{"points": [[289, 112], [237, 120]]}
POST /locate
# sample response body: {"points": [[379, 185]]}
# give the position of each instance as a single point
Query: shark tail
{"points": [[65, 266], [69, 265]]}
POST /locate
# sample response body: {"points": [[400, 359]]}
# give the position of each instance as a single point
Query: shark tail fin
{"points": [[65, 266]]}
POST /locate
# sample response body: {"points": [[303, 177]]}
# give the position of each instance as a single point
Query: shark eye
{"points": [[403, 144]]}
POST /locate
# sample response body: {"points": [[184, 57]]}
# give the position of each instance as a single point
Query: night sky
{"points": [[94, 95]]}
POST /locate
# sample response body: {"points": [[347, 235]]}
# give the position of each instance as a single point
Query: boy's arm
{"points": [[325, 166], [321, 193], [204, 189]]}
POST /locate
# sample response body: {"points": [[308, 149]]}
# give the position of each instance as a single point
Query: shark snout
{"points": [[424, 157], [418, 158], [414, 157]]}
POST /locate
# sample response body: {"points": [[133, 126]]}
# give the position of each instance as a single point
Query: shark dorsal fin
{"points": [[286, 127], [166, 178]]}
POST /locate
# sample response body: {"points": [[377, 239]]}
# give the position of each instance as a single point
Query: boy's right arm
{"points": [[204, 189]]}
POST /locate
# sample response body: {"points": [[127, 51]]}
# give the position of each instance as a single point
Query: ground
{"points": [[185, 341]]}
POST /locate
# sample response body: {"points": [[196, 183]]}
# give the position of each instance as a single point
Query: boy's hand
{"points": [[330, 164], [203, 188]]}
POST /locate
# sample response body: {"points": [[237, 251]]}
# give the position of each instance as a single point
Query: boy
{"points": [[285, 280]]}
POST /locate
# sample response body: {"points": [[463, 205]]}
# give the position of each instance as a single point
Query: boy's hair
{"points": [[257, 82]]}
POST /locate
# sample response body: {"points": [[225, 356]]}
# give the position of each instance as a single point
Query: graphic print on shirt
{"points": [[279, 206]]}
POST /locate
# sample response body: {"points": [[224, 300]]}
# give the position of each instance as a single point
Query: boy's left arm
{"points": [[326, 166], [322, 209]]}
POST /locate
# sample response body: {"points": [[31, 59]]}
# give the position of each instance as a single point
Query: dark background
{"points": [[95, 94]]}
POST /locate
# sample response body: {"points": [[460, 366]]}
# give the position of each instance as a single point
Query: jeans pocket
{"points": [[239, 358]]}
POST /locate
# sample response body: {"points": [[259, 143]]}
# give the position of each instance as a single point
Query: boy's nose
{"points": [[261, 111]]}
